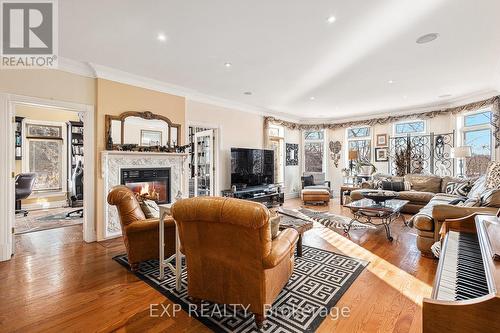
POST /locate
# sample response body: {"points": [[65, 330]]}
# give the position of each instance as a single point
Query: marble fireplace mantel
{"points": [[113, 161]]}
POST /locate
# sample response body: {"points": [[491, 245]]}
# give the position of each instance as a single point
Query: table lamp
{"points": [[461, 153], [353, 155]]}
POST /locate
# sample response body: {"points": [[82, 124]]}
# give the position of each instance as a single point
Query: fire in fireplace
{"points": [[153, 184]]}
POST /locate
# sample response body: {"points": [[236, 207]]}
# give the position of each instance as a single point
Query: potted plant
{"points": [[365, 168]]}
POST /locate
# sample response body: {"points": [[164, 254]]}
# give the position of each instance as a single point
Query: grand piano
{"points": [[466, 290]]}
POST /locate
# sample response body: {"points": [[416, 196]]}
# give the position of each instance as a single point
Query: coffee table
{"points": [[383, 214], [290, 220]]}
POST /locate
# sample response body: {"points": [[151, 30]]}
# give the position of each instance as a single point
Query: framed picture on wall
{"points": [[150, 138], [381, 140], [292, 154], [381, 154]]}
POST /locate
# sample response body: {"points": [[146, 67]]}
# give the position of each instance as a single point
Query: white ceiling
{"points": [[285, 52]]}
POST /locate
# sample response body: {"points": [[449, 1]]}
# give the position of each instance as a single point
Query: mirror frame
{"points": [[144, 115]]}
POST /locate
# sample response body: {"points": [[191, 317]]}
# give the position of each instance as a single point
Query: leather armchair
{"points": [[230, 256], [140, 235]]}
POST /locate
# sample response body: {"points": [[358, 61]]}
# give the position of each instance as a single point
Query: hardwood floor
{"points": [[55, 282]]}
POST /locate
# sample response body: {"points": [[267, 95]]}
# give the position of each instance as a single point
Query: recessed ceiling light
{"points": [[445, 96], [390, 81], [161, 37], [405, 97], [228, 64], [248, 93], [331, 19], [312, 98], [427, 38]]}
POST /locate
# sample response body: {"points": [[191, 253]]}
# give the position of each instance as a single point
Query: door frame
{"points": [[218, 143], [211, 133], [8, 103]]}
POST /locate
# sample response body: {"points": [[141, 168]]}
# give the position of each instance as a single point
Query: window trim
{"points": [[324, 166], [462, 129], [395, 134], [368, 138], [281, 141]]}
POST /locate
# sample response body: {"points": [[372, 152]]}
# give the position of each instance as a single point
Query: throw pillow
{"points": [[274, 221], [491, 198], [478, 188], [424, 183], [308, 180], [493, 175], [457, 201], [396, 186], [150, 209], [474, 202], [461, 189]]}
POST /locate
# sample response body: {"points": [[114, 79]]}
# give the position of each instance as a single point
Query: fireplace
{"points": [[153, 184]]}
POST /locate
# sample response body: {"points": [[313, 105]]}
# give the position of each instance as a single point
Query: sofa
{"points": [[431, 205], [231, 257]]}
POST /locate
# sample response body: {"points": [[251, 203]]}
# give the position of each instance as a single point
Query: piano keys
{"points": [[465, 295]]}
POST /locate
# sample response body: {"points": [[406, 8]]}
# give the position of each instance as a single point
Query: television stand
{"points": [[270, 196]]}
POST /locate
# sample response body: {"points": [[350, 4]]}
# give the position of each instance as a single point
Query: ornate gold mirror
{"points": [[141, 129]]}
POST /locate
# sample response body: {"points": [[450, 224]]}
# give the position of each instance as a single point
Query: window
{"points": [[359, 139], [477, 134], [277, 143], [409, 127], [45, 156], [313, 151]]}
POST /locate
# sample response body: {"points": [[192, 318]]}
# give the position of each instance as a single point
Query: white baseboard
{"points": [[45, 205], [291, 195]]}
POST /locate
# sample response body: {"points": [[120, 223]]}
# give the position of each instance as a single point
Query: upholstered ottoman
{"points": [[314, 195]]}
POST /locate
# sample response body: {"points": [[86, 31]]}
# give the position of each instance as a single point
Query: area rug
{"points": [[319, 279], [38, 220], [326, 218]]}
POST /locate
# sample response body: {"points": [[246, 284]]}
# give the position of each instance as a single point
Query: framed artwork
{"points": [[43, 131], [292, 154], [381, 154], [381, 140], [150, 138]]}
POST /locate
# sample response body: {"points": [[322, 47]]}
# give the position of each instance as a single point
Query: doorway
{"points": [[203, 161], [48, 183]]}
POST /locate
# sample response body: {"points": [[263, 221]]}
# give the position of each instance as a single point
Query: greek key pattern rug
{"points": [[319, 280]]}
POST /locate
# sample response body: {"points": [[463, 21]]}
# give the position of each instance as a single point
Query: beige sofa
{"points": [[431, 207]]}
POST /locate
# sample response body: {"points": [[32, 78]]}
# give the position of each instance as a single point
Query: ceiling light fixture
{"points": [[312, 98], [390, 81], [331, 19], [427, 38], [228, 64], [161, 37], [248, 93]]}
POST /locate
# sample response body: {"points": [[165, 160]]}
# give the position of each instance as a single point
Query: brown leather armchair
{"points": [[230, 256], [140, 235]]}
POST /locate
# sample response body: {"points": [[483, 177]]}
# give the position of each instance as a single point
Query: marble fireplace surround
{"points": [[113, 161]]}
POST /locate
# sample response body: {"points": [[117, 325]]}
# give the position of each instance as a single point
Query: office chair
{"points": [[24, 187], [77, 189]]}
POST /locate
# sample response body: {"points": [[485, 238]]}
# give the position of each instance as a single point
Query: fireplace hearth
{"points": [[153, 184]]}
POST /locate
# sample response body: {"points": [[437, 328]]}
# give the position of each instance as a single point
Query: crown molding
{"points": [[458, 101], [76, 67]]}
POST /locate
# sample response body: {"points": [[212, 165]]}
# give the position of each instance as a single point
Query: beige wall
{"points": [[237, 129], [114, 98], [49, 84]]}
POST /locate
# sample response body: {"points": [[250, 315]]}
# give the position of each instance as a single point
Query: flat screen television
{"points": [[252, 167]]}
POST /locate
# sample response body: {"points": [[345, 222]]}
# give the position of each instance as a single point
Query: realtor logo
{"points": [[29, 33]]}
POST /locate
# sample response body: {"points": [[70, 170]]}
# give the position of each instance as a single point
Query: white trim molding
{"points": [[7, 166]]}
